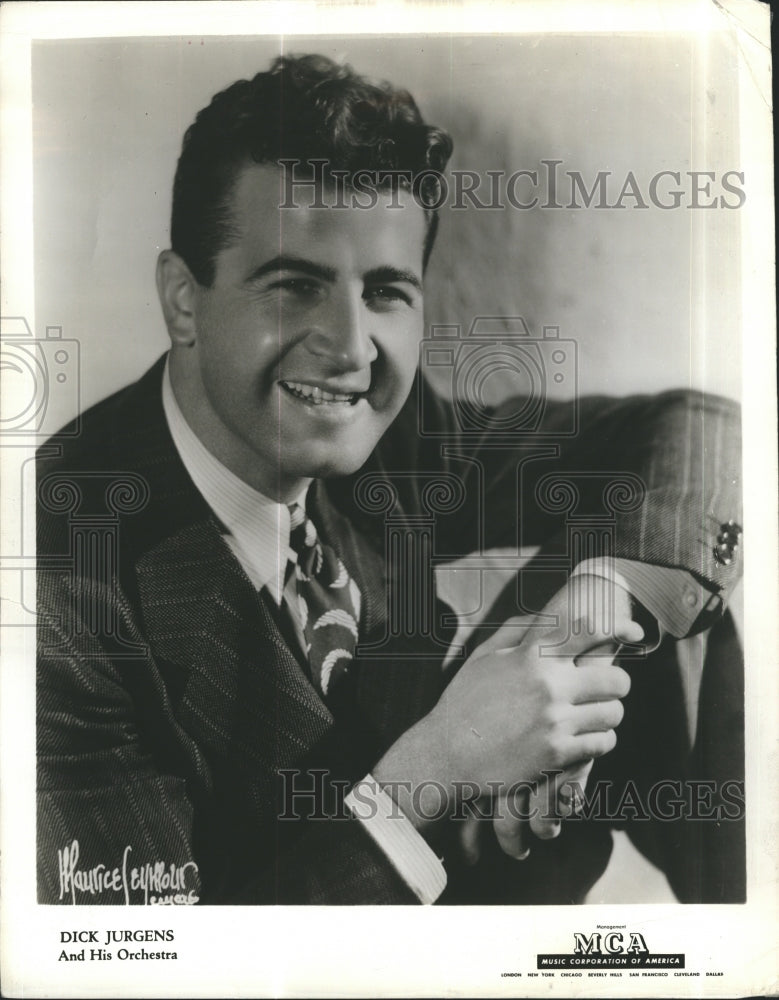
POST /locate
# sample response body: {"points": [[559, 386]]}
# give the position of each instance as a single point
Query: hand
{"points": [[510, 713], [561, 799], [587, 601]]}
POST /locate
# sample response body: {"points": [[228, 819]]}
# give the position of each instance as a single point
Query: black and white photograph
{"points": [[389, 500]]}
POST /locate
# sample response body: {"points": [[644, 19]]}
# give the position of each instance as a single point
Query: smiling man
{"points": [[292, 365], [248, 688]]}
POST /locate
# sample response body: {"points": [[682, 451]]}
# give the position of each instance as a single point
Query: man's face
{"points": [[307, 343]]}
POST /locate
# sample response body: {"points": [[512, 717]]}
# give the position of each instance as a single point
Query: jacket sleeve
{"points": [[662, 473], [121, 788]]}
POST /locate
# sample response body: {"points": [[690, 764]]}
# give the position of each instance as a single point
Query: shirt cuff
{"points": [[391, 829], [672, 596]]}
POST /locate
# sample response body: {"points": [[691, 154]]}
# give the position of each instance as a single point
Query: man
{"points": [[246, 692]]}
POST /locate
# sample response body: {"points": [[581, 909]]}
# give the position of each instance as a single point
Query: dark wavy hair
{"points": [[304, 108]]}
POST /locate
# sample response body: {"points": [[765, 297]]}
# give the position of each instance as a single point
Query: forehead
{"points": [[390, 232]]}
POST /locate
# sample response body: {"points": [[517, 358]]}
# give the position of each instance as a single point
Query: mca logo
{"points": [[611, 948], [613, 943]]}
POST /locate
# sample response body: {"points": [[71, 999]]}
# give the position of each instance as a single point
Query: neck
{"points": [[223, 444]]}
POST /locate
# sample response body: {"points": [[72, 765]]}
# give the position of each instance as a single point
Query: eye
{"points": [[385, 296], [299, 287]]}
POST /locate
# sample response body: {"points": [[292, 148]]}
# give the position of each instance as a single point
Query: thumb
{"points": [[595, 612], [509, 635], [586, 640]]}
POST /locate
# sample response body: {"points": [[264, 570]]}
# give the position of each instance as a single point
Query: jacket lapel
{"points": [[242, 692], [234, 682]]}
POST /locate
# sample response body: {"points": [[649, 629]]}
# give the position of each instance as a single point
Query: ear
{"points": [[176, 288]]}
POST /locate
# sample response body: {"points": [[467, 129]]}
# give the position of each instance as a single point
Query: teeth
{"points": [[314, 394]]}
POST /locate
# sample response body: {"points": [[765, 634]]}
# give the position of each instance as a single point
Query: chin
{"points": [[330, 466]]}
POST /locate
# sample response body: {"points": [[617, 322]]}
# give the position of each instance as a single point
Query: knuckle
{"points": [[609, 740], [586, 624], [508, 835], [551, 715], [556, 684], [556, 751], [544, 680], [548, 829], [602, 743], [615, 714], [623, 682]]}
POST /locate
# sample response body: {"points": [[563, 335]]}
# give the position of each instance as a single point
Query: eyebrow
{"points": [[376, 276], [391, 275], [289, 263]]}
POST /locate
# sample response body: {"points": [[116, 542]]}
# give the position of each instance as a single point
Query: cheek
{"points": [[403, 356], [237, 340]]}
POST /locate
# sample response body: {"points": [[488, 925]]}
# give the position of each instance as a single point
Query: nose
{"points": [[342, 334]]}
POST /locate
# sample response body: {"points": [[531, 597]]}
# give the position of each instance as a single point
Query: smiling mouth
{"points": [[315, 396]]}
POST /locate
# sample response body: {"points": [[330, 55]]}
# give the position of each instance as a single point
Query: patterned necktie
{"points": [[328, 602]]}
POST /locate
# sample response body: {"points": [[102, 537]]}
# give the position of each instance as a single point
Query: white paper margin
{"points": [[390, 951]]}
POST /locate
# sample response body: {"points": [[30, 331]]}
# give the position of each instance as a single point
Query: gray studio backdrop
{"points": [[650, 294]]}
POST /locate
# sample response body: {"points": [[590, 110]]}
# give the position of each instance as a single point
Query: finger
{"points": [[508, 636], [597, 716], [599, 683], [587, 637], [599, 601], [542, 806], [557, 800], [588, 611], [545, 829], [511, 832], [469, 836], [570, 789], [588, 745], [607, 652], [552, 800]]}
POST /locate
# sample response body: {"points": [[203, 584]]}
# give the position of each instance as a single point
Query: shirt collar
{"points": [[257, 528]]}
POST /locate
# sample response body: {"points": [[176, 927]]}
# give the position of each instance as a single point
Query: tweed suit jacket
{"points": [[177, 727]]}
